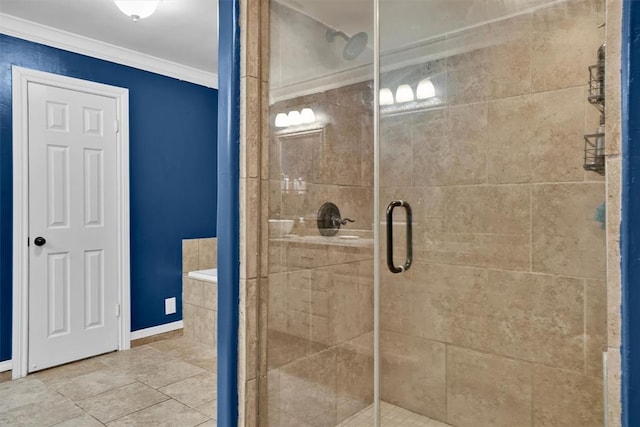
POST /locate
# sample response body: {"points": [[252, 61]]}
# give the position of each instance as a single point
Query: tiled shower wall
{"points": [[506, 303], [502, 319], [320, 295], [466, 373], [335, 158]]}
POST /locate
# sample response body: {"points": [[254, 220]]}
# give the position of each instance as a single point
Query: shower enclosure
{"points": [[455, 275]]}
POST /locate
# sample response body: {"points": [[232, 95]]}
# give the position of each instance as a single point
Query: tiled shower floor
{"points": [[392, 416]]}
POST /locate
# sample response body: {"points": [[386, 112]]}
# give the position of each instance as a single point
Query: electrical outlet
{"points": [[170, 305]]}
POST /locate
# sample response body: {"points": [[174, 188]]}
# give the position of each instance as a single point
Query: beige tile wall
{"points": [[254, 41], [506, 302], [319, 297], [510, 317], [199, 254], [614, 167], [320, 292], [199, 297], [329, 160], [199, 310]]}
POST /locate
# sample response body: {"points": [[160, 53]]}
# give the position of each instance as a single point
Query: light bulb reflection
{"points": [[295, 118], [282, 120], [308, 116], [426, 89], [404, 93], [386, 96]]}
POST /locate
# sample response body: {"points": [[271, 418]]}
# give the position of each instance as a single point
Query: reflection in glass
{"points": [[426, 89], [404, 93]]}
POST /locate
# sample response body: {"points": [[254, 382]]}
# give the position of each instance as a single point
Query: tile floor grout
{"points": [[81, 394], [119, 388]]}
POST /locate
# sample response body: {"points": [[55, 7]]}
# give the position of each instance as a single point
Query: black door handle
{"points": [[39, 241], [409, 259]]}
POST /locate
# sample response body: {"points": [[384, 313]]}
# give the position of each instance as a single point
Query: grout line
{"points": [[533, 395], [531, 228], [585, 336], [505, 270], [495, 355], [446, 382], [531, 40], [146, 407], [494, 184], [109, 368]]}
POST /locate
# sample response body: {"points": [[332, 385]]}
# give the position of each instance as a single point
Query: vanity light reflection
{"points": [[295, 118], [404, 93], [308, 116], [386, 96], [282, 120], [426, 89]]}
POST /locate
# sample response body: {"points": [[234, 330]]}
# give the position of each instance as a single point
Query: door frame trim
{"points": [[20, 328]]}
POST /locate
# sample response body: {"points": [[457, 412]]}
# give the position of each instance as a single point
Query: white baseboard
{"points": [[136, 335], [5, 365], [155, 330]]}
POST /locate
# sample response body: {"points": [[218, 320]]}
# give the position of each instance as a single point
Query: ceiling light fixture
{"points": [[137, 9]]}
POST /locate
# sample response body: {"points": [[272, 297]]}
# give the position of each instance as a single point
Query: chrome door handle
{"points": [[409, 260]]}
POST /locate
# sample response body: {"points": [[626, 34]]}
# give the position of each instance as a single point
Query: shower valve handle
{"points": [[342, 221]]}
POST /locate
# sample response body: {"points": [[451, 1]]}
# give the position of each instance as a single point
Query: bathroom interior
{"points": [[437, 200], [485, 159]]}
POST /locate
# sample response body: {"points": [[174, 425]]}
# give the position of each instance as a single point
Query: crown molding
{"points": [[49, 36]]}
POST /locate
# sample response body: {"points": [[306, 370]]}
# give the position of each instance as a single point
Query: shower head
{"points": [[355, 44]]}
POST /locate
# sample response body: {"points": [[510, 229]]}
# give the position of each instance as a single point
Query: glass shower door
{"points": [[500, 319], [319, 301]]}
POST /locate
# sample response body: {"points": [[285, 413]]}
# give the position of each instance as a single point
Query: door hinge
{"points": [[117, 310], [28, 241], [117, 126]]}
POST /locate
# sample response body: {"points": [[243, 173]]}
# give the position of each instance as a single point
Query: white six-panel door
{"points": [[73, 283]]}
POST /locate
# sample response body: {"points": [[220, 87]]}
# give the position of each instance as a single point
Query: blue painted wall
{"points": [[229, 211], [173, 173], [630, 229]]}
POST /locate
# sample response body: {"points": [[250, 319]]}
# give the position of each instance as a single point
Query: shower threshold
{"points": [[391, 416]]}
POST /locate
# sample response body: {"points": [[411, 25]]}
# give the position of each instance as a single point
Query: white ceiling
{"points": [[185, 31], [180, 31]]}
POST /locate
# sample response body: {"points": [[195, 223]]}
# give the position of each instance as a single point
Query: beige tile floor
{"points": [[390, 416], [171, 382]]}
